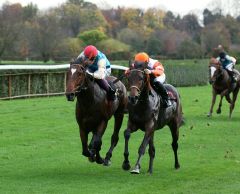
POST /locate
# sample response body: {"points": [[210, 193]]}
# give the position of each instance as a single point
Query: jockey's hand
{"points": [[88, 72], [147, 71], [127, 72]]}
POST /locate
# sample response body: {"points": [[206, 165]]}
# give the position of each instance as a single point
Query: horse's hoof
{"points": [[135, 171], [209, 115], [87, 154], [150, 172], [107, 162], [99, 161], [92, 159], [177, 166], [126, 166]]}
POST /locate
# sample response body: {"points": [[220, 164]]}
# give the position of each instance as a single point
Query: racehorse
{"points": [[222, 85], [93, 110], [147, 113]]}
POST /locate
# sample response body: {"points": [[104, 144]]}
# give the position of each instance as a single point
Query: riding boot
{"points": [[160, 89], [109, 90]]}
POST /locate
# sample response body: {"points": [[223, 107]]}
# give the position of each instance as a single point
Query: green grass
{"points": [[40, 151]]}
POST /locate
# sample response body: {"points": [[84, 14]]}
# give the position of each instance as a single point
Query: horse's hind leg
{"points": [[232, 105], [175, 135], [115, 137], [151, 152], [219, 106]]}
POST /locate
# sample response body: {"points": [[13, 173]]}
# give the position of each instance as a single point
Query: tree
{"points": [[213, 35], [114, 49], [76, 17], [68, 49], [190, 24], [169, 20], [92, 36], [133, 38], [45, 35], [154, 45], [30, 12], [10, 26], [189, 49]]}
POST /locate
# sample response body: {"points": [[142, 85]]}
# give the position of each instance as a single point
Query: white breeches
{"points": [[161, 78]]}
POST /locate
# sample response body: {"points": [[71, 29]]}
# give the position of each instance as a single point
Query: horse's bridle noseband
{"points": [[81, 87], [138, 89]]}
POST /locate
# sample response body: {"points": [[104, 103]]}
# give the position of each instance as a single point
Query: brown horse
{"points": [[93, 111], [147, 113], [222, 85]]}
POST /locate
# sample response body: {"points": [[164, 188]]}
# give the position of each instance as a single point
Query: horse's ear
{"points": [[129, 63]]}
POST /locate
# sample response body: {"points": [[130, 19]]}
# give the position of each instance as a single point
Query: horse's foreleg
{"points": [[114, 138], [151, 152], [175, 135], [213, 102], [141, 150], [97, 141], [126, 164], [84, 139]]}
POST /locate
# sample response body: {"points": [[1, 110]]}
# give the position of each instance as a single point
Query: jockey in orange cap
{"points": [[158, 77], [99, 67]]}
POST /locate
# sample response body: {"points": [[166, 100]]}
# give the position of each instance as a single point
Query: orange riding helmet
{"points": [[141, 57]]}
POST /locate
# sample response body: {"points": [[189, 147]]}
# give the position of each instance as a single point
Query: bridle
{"points": [[134, 86], [82, 86], [218, 75]]}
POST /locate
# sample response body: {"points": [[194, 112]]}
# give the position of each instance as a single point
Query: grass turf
{"points": [[40, 151]]}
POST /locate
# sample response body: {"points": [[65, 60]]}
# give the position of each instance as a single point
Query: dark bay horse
{"points": [[93, 111], [221, 85], [146, 113]]}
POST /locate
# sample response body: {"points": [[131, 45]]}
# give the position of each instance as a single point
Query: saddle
{"points": [[236, 74], [171, 96]]}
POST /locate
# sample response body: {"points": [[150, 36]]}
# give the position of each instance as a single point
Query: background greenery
{"points": [[40, 151], [61, 32]]}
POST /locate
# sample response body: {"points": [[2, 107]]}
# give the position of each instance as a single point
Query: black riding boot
{"points": [[108, 87], [160, 89], [111, 91]]}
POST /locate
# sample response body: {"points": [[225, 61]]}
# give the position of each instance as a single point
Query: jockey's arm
{"points": [[158, 69], [101, 72]]}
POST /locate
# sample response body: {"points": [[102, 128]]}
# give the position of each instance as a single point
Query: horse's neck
{"points": [[224, 78], [144, 96], [86, 97]]}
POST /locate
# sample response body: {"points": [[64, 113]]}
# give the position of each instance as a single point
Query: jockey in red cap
{"points": [[99, 67]]}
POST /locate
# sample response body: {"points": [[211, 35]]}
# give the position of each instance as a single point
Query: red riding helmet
{"points": [[90, 51]]}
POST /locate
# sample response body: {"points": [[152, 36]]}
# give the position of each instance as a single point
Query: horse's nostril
{"points": [[132, 99], [70, 96]]}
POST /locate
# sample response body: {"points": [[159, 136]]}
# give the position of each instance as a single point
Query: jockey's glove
{"points": [[147, 71]]}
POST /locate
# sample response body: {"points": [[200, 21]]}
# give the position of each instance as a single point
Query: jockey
{"points": [[227, 63], [99, 67], [157, 75]]}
